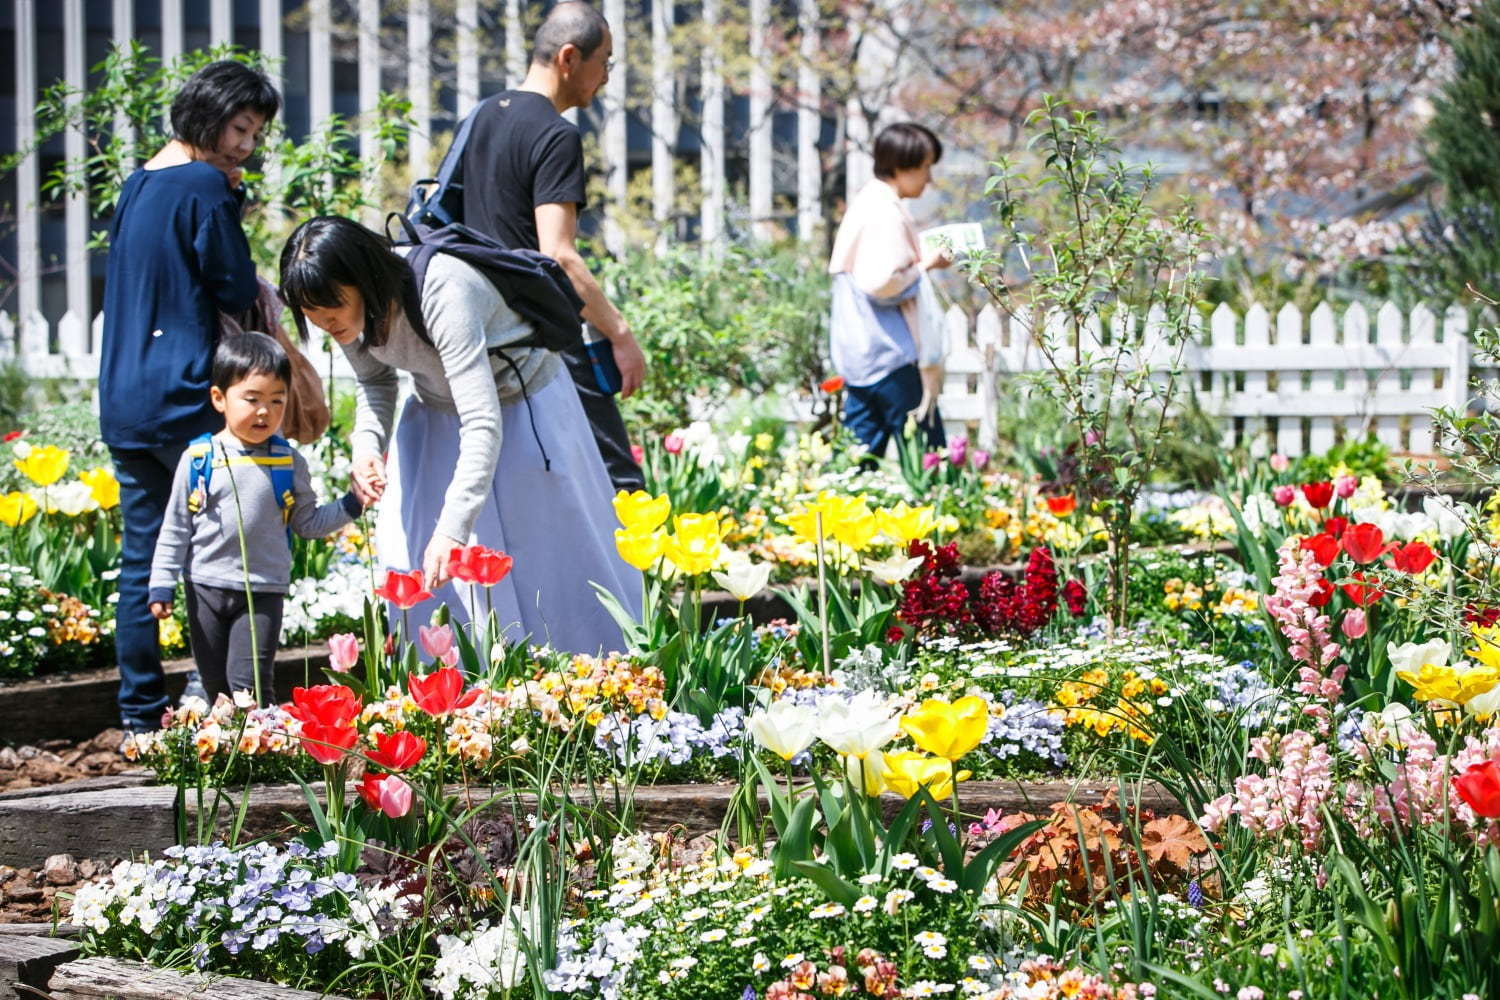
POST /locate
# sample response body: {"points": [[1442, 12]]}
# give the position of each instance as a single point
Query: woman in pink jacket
{"points": [[877, 269]]}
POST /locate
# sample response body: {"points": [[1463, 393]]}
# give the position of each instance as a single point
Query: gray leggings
{"points": [[219, 628]]}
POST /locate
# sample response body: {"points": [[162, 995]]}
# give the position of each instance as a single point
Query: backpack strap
{"points": [[283, 476], [200, 471], [424, 204]]}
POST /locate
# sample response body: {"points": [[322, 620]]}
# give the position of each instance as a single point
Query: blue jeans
{"points": [[876, 413], [145, 476]]}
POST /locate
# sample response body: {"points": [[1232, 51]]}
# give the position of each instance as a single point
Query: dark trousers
{"points": [[608, 426], [876, 413], [145, 476], [227, 655]]}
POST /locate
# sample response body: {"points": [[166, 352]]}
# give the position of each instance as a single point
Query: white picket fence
{"points": [[1299, 383]]}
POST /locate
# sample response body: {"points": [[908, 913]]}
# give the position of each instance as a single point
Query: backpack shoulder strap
{"points": [[283, 477], [200, 471]]}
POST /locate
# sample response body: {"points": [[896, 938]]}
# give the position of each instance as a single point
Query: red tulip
{"points": [[437, 693], [477, 564], [1363, 591], [404, 590], [1413, 557], [327, 744], [832, 385], [386, 793], [1335, 526], [325, 705], [397, 751], [1323, 546], [1364, 542], [1062, 506], [1324, 594], [1320, 495], [1479, 787]]}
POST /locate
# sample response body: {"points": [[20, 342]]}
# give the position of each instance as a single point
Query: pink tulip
{"points": [[387, 793], [931, 460], [438, 643], [1354, 624], [1280, 463], [343, 652], [638, 453], [980, 458], [1345, 486], [673, 442], [958, 450], [1284, 495]]}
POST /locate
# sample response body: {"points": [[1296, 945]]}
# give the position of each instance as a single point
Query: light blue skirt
{"points": [[558, 526]]}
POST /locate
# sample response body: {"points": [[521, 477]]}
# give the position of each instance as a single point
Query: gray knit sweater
{"points": [[205, 547], [465, 318]]}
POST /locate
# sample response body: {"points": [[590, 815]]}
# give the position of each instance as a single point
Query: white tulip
{"points": [[1446, 514], [785, 729], [869, 772], [70, 498], [1484, 704], [893, 569], [858, 727], [744, 579], [1413, 656]]}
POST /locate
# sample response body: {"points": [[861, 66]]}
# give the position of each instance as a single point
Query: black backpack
{"points": [[443, 205], [532, 284]]}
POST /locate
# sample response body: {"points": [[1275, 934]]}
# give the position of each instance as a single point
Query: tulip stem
{"points": [[958, 817], [823, 600]]}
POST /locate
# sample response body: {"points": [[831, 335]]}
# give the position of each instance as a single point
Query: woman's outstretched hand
{"points": [[435, 561], [369, 479]]}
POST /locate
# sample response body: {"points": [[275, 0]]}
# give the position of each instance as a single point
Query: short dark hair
{"points": [[903, 146], [215, 94], [241, 355], [329, 252], [572, 23]]}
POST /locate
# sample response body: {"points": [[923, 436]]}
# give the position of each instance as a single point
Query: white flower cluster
{"points": [[314, 604], [479, 963]]}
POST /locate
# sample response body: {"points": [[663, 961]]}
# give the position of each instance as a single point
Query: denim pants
{"points": [[145, 476], [876, 413]]}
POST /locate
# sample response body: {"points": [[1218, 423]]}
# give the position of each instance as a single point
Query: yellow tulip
{"points": [[1488, 650], [948, 730], [695, 545], [44, 465], [907, 770], [904, 524], [1432, 682], [103, 485], [16, 508], [640, 549], [845, 519], [640, 511]]}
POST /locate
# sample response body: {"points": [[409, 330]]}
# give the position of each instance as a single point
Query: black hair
{"points": [[903, 146], [572, 23], [329, 252], [215, 94], [241, 355]]}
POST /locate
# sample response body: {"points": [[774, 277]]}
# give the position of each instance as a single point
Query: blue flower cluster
{"points": [[249, 900], [673, 739], [1241, 688], [1025, 727]]}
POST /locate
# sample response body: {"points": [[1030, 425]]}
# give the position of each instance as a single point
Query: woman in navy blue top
{"points": [[177, 258]]}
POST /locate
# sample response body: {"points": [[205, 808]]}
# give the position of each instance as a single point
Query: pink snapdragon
{"points": [[1289, 797], [1307, 629]]}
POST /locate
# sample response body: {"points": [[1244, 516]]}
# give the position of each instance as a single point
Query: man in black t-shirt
{"points": [[524, 185]]}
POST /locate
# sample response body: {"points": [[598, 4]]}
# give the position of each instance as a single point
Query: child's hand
{"points": [[369, 479], [161, 609]]}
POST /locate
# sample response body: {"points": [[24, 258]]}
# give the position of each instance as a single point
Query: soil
{"points": [[54, 761]]}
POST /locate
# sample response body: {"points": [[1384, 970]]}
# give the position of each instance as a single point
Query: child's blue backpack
{"points": [[278, 463]]}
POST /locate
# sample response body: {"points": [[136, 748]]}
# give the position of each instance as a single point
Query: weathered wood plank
{"points": [[79, 706], [114, 979], [126, 822], [29, 961]]}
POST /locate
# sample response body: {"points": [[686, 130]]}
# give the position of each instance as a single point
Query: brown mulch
{"points": [[54, 761]]}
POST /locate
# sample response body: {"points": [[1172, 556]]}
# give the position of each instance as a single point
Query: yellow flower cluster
{"points": [[1090, 702], [1474, 686], [73, 621], [597, 685], [1182, 596], [779, 678]]}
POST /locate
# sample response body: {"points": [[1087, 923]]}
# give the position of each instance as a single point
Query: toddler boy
{"points": [[236, 498]]}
